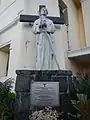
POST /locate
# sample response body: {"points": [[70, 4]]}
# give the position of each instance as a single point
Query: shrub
{"points": [[7, 100], [82, 86]]}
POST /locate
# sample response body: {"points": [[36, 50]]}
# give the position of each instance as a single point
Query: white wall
{"points": [[29, 49], [10, 32], [60, 46], [15, 50], [32, 6], [86, 16], [9, 14], [4, 4], [15, 35], [28, 57], [60, 36], [22, 57]]}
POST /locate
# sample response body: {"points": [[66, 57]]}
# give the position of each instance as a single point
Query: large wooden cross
{"points": [[32, 18]]}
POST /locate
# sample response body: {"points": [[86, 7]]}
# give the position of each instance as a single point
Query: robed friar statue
{"points": [[44, 28]]}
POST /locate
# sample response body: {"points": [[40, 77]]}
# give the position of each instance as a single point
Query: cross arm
{"points": [[32, 18]]}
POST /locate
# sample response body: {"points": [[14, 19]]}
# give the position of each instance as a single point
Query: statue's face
{"points": [[43, 11]]}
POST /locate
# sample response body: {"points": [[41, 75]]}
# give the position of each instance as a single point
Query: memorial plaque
{"points": [[45, 94]]}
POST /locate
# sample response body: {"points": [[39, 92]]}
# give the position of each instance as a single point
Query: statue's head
{"points": [[43, 10]]}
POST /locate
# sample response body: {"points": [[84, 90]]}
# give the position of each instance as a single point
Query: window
{"points": [[80, 23], [4, 60]]}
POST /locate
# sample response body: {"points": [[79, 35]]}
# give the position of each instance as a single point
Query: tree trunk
{"points": [[88, 108], [1, 116]]}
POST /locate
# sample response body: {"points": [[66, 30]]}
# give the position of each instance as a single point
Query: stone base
{"points": [[24, 79]]}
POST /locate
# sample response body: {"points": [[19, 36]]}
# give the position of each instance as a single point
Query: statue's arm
{"points": [[36, 27], [51, 28]]}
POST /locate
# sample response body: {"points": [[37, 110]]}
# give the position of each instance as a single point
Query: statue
{"points": [[43, 28]]}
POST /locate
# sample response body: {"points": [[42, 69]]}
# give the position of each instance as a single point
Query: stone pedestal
{"points": [[23, 83]]}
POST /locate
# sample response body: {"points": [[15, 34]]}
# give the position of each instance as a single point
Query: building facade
{"points": [[17, 41]]}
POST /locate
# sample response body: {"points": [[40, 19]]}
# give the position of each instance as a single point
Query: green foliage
{"points": [[7, 99], [81, 107], [82, 86]]}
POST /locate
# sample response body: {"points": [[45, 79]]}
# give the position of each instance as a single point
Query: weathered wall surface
{"points": [[10, 32], [22, 40], [32, 6], [9, 11], [23, 89]]}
